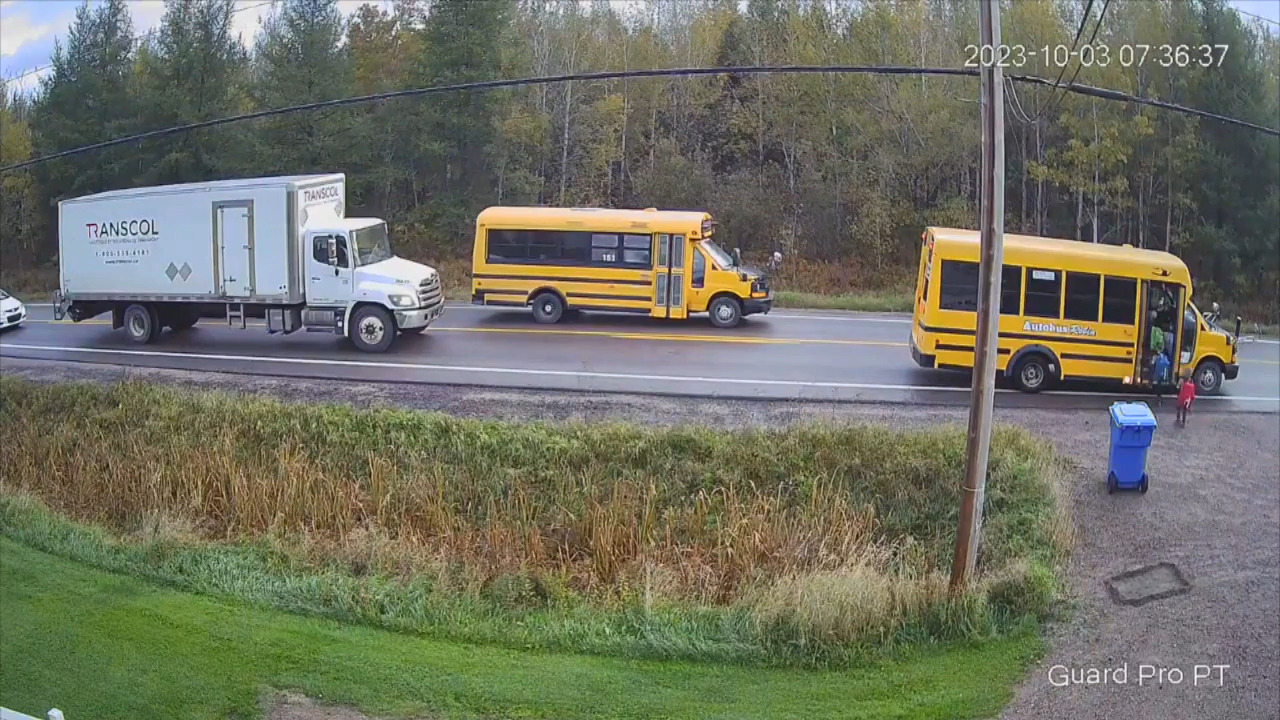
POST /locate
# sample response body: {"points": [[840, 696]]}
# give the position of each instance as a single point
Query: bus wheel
{"points": [[1032, 373], [1209, 377], [548, 308], [725, 312]]}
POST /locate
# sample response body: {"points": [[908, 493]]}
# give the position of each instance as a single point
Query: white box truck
{"points": [[279, 248]]}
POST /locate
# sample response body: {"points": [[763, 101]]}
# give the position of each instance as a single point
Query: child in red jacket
{"points": [[1186, 396]]}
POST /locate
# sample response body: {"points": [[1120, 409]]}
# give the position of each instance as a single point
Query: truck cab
{"points": [[354, 281]]}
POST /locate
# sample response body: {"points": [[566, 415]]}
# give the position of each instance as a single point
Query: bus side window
{"points": [[1119, 301], [1084, 296], [1011, 290], [958, 287], [1044, 293]]}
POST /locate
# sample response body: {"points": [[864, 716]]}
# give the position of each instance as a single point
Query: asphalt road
{"points": [[791, 355]]}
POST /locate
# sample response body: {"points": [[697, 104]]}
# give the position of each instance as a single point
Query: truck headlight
{"points": [[403, 300]]}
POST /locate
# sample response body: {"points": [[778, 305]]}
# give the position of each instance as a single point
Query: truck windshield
{"points": [[722, 258], [372, 245]]}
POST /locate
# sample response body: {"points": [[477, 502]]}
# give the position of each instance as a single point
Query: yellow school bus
{"points": [[660, 263], [1068, 310]]}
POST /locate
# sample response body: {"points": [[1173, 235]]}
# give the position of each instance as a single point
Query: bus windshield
{"points": [[372, 245], [722, 258]]}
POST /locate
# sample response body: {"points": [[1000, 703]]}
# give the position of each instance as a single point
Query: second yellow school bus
{"points": [[661, 263], [1068, 310]]}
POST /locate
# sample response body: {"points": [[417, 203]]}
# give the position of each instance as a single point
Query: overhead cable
{"points": [[616, 75]]}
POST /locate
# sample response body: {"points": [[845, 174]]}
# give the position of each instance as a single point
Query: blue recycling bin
{"points": [[1132, 427]]}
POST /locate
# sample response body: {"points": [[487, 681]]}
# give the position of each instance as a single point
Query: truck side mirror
{"points": [[333, 251]]}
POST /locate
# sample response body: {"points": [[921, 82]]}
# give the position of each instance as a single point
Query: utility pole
{"points": [[991, 214]]}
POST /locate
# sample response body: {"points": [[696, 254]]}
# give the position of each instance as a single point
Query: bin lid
{"points": [[1132, 414]]}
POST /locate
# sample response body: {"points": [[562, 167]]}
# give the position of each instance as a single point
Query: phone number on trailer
{"points": [[1059, 56]]}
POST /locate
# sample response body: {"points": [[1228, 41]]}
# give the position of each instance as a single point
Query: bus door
{"points": [[669, 277], [1160, 305], [1190, 335]]}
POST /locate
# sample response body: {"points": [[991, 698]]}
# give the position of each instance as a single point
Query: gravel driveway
{"points": [[1210, 524]]}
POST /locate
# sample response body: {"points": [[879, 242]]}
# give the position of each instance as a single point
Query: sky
{"points": [[29, 27]]}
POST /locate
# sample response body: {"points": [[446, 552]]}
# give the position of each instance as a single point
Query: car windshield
{"points": [[722, 258], [372, 245], [4, 295]]}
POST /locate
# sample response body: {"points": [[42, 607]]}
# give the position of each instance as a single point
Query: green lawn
{"points": [[103, 646]]}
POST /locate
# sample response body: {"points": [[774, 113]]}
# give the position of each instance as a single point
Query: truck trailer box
{"points": [[237, 240]]}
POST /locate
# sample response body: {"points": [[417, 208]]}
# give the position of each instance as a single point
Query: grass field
{"points": [[806, 546], [109, 647]]}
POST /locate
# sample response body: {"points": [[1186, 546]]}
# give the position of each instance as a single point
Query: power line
{"points": [[1084, 20], [620, 74], [136, 38], [1258, 17], [1080, 63]]}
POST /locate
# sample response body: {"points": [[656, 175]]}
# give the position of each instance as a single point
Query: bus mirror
{"points": [[737, 256], [1238, 322]]}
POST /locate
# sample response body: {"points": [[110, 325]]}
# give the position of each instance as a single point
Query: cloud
{"points": [[20, 27], [28, 29]]}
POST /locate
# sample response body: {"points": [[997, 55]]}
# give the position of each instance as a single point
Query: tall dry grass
{"points": [[830, 532]]}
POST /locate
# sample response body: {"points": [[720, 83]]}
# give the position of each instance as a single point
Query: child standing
{"points": [[1186, 396]]}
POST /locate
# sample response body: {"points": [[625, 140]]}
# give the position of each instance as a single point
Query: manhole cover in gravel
{"points": [[1147, 584]]}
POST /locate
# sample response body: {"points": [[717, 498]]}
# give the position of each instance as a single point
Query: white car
{"points": [[12, 311]]}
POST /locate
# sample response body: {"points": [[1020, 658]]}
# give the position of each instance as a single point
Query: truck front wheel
{"points": [[141, 323], [372, 329]]}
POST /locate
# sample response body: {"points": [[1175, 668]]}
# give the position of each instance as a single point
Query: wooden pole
{"points": [[991, 215]]}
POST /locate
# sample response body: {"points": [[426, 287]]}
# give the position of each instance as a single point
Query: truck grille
{"points": [[430, 293]]}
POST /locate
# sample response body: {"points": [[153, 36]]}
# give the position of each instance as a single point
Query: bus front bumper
{"points": [[1230, 371], [757, 306]]}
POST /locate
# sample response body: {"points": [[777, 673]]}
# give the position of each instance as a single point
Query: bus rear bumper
{"points": [[1231, 371], [924, 361]]}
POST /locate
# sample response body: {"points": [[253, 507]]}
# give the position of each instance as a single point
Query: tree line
{"points": [[843, 169]]}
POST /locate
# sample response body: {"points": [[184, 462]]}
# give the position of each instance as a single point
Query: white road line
{"points": [[557, 373]]}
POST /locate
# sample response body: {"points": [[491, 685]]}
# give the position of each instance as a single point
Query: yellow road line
{"points": [[623, 335]]}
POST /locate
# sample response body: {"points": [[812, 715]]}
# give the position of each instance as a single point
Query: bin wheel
{"points": [[1111, 483], [1142, 488]]}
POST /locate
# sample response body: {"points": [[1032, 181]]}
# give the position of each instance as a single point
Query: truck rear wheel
{"points": [[372, 329], [141, 323]]}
